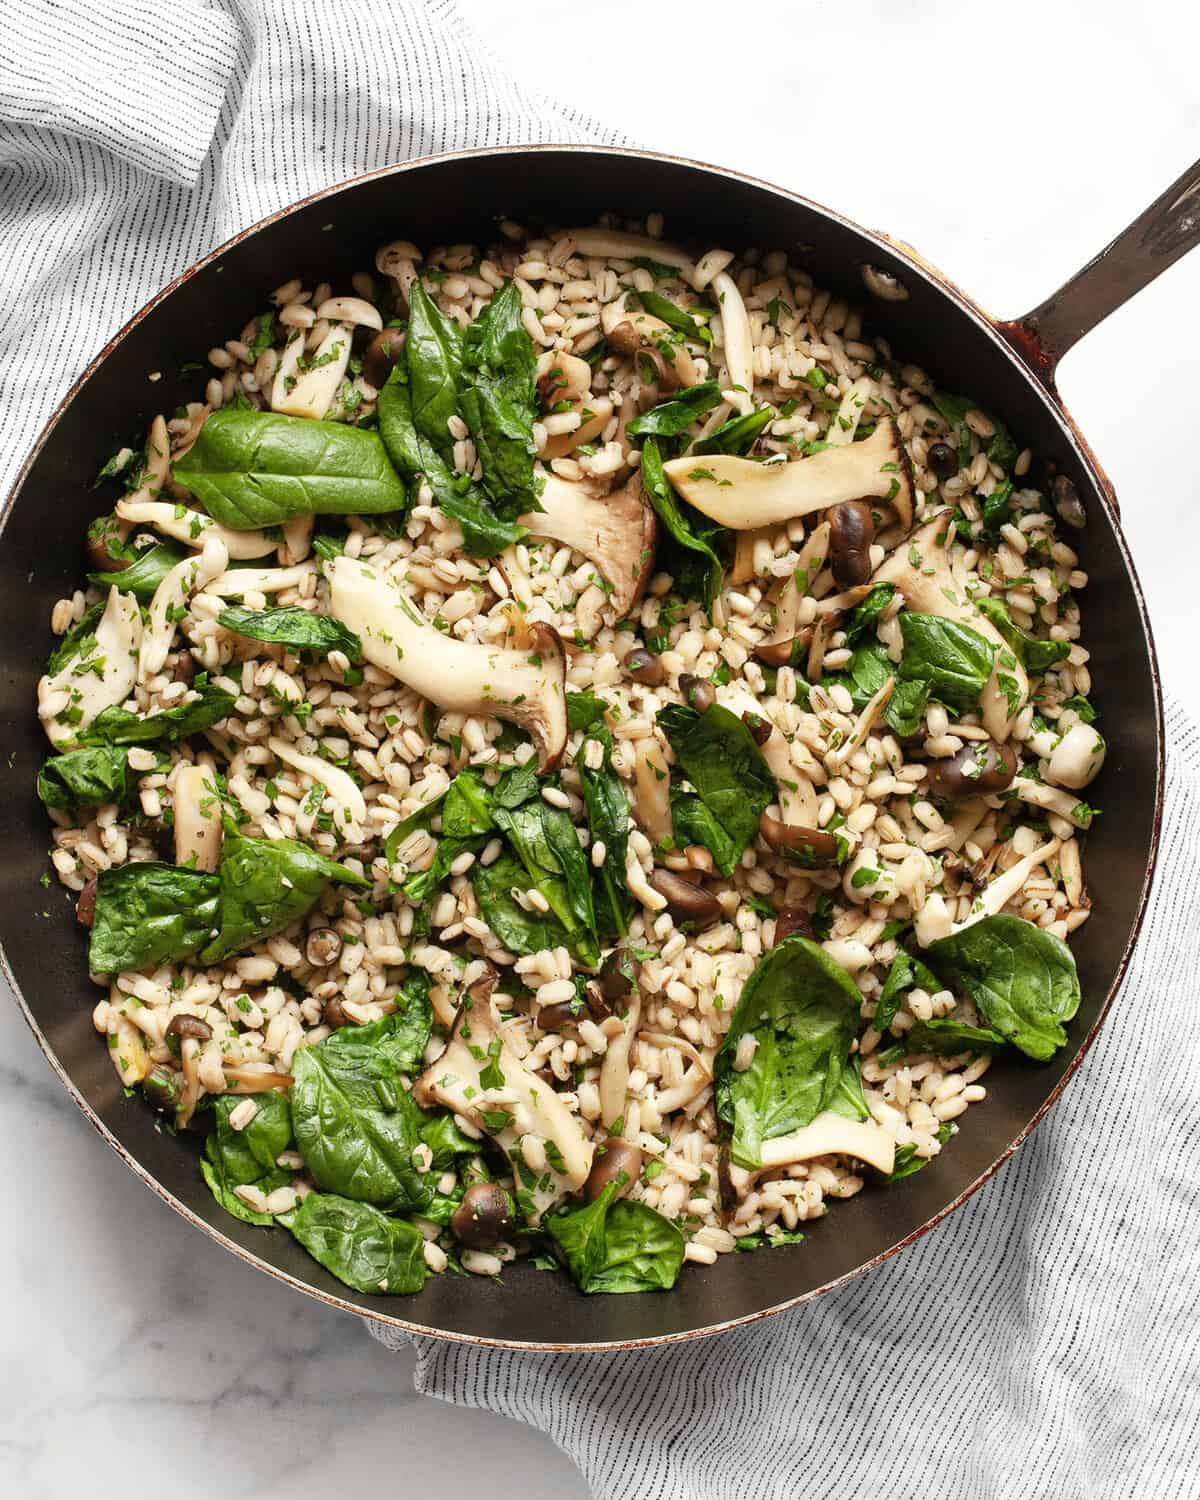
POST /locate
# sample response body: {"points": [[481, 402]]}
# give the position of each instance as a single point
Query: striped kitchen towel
{"points": [[1043, 1342]]}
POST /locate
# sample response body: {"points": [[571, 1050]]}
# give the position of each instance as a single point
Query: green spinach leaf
{"points": [[248, 1157], [150, 913], [257, 468], [360, 1246], [433, 354], [717, 754], [499, 403], [1034, 655], [802, 1010], [116, 726], [617, 1246], [865, 616], [356, 1125], [544, 839], [265, 886], [694, 823], [688, 531], [143, 576], [906, 973], [738, 435], [1021, 978], [519, 930], [669, 418], [608, 822], [944, 1035], [584, 710], [953, 660], [676, 317], [298, 629], [80, 640], [84, 778]]}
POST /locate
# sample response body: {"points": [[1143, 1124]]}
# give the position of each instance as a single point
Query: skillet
{"points": [[1007, 366]]}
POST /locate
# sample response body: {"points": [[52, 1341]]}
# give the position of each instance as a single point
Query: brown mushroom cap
{"points": [[484, 1216], [686, 902], [185, 1028], [381, 355], [811, 847], [980, 768], [793, 919], [612, 1159], [851, 532]]}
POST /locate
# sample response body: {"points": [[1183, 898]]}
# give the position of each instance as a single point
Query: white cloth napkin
{"points": [[1043, 1341]]}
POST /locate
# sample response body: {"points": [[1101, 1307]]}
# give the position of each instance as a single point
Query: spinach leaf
{"points": [[433, 354], [544, 839], [1035, 655], [411, 1024], [361, 1247], [143, 576], [519, 930], [466, 809], [848, 1098], [1082, 707], [116, 726], [802, 1009], [907, 1161], [717, 754], [953, 411], [643, 1251], [1021, 978], [865, 616], [150, 913], [617, 1246], [265, 886], [517, 785], [584, 710], [738, 435], [669, 418], [84, 778], [257, 468], [996, 508], [686, 530], [466, 818], [906, 973], [499, 403], [80, 640], [944, 1035], [694, 823], [327, 547], [608, 821], [446, 1141], [484, 532], [298, 629], [676, 317], [247, 1158], [953, 660], [356, 1125]]}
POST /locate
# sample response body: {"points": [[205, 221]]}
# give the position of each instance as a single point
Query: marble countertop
{"points": [[1008, 145]]}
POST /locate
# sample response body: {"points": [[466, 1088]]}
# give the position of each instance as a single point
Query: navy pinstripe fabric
{"points": [[1041, 1343]]}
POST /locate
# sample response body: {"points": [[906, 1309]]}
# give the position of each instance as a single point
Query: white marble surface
{"points": [[1007, 143]]}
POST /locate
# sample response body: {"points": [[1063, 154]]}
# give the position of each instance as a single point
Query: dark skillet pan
{"points": [[1008, 367]]}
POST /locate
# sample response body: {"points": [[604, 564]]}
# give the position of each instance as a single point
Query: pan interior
{"points": [[457, 199]]}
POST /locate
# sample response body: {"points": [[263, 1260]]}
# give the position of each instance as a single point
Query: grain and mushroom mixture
{"points": [[571, 748]]}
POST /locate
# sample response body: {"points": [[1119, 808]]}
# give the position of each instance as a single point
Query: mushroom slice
{"points": [[739, 343], [615, 532], [352, 809], [351, 310], [778, 650], [793, 766], [832, 1135], [398, 262], [745, 495], [920, 569], [528, 688], [528, 1106], [193, 528], [604, 244], [652, 799], [297, 539], [594, 412], [97, 679], [614, 1070], [125, 1044], [172, 594], [1053, 799], [196, 807], [305, 386], [630, 330], [849, 414], [242, 581]]}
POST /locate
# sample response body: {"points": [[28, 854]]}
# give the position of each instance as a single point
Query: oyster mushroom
{"points": [[398, 262], [352, 809], [745, 495], [630, 330], [305, 385], [172, 594], [525, 687], [527, 1106], [241, 581], [788, 634], [197, 812], [615, 532], [193, 528], [605, 244], [593, 412], [832, 1134], [739, 343], [920, 569], [97, 679], [614, 1070]]}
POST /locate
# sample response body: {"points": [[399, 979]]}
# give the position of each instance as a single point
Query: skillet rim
{"points": [[1046, 394]]}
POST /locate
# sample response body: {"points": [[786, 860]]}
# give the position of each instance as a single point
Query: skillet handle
{"points": [[1156, 239]]}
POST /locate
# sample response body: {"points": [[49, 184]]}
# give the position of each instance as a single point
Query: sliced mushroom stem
{"points": [[832, 1135], [193, 528], [739, 342], [614, 1070], [83, 695], [525, 687], [652, 797], [171, 596], [197, 812], [594, 412], [745, 495]]}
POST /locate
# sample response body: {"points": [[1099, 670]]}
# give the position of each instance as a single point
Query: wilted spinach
{"points": [[617, 1246], [906, 973], [150, 913], [116, 726], [519, 930], [247, 1157], [802, 1010], [257, 468], [1034, 655], [738, 435], [298, 629], [499, 403], [433, 353], [143, 576], [945, 1035], [360, 1246], [669, 418], [866, 672], [1021, 978], [676, 317], [686, 552], [608, 822], [80, 640], [952, 660], [545, 841], [584, 710], [84, 778], [717, 754]]}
